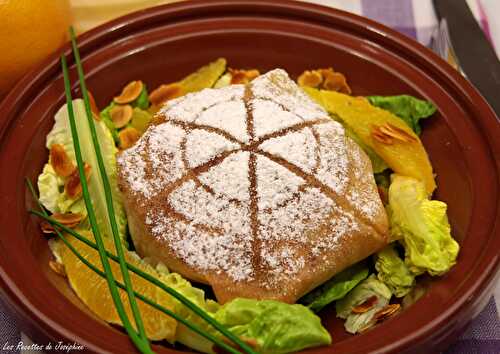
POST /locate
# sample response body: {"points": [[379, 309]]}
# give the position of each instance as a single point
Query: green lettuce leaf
{"points": [[61, 134], [393, 271], [183, 334], [408, 108], [52, 196], [336, 288], [275, 326], [422, 226], [142, 101], [106, 118], [358, 322], [51, 189]]}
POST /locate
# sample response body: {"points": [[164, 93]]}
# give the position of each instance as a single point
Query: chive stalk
{"points": [[107, 191], [141, 344]]}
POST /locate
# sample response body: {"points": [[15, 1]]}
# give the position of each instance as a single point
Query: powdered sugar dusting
{"points": [[134, 168], [334, 164], [226, 252], [297, 147], [366, 200], [343, 224], [162, 145], [229, 116], [301, 214], [269, 117], [187, 108], [165, 154], [230, 177], [275, 184], [277, 87], [284, 261], [247, 177], [197, 154]]}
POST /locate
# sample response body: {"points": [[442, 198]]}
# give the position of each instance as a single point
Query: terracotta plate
{"points": [[163, 44]]}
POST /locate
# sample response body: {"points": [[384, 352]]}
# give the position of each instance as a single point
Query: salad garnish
{"points": [[79, 187]]}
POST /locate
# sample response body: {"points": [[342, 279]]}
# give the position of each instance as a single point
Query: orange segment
{"points": [[93, 289], [393, 140]]}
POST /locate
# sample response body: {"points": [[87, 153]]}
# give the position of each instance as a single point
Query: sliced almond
{"points": [[239, 76], [366, 305], [73, 185], [130, 92], [121, 115], [381, 137], [164, 93], [386, 312], [310, 78], [58, 268], [252, 74], [326, 72], [47, 227], [68, 219], [60, 160], [93, 105], [128, 137], [397, 133], [336, 82]]}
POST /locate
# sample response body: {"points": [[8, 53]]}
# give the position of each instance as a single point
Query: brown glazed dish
{"points": [[163, 44]]}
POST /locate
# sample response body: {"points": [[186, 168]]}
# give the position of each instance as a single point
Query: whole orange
{"points": [[30, 30]]}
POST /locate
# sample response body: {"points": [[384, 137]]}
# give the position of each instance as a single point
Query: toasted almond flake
{"points": [[164, 93], [121, 115], [239, 76], [130, 92], [386, 312], [366, 305], [47, 227], [93, 105], [68, 219], [396, 133], [310, 78], [378, 135], [250, 341], [252, 74], [128, 137], [336, 82], [73, 186], [60, 160], [58, 268]]}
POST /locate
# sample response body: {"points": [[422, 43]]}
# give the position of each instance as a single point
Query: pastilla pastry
{"points": [[252, 189]]}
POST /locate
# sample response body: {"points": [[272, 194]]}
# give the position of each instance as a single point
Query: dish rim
{"points": [[378, 33]]}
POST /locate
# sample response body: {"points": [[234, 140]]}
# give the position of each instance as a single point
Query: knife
{"points": [[473, 51]]}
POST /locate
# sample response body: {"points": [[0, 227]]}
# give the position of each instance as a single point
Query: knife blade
{"points": [[475, 54]]}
